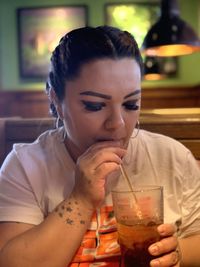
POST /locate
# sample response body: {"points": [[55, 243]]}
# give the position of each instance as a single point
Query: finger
{"points": [[164, 246], [106, 168], [170, 259], [108, 158], [167, 229], [117, 150], [112, 154], [104, 144]]}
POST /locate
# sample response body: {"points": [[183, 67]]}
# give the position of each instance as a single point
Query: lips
{"points": [[120, 141], [106, 140]]}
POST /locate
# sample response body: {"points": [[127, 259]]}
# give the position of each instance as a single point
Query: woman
{"points": [[55, 191]]}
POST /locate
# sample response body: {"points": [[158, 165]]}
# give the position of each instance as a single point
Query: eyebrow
{"points": [[138, 91], [96, 94]]}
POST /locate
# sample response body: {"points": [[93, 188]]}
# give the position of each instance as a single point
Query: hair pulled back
{"points": [[84, 45]]}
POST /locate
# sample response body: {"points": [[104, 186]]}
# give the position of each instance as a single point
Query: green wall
{"points": [[188, 73]]}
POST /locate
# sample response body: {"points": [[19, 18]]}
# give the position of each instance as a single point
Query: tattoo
{"points": [[69, 221], [71, 207], [60, 214]]}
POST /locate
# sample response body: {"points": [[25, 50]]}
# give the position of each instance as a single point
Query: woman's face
{"points": [[102, 104]]}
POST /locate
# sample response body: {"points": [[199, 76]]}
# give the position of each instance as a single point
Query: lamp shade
{"points": [[170, 35], [153, 69]]}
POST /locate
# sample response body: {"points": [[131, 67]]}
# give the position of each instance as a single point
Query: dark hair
{"points": [[83, 45]]}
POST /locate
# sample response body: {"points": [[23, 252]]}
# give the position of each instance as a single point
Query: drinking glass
{"points": [[138, 213]]}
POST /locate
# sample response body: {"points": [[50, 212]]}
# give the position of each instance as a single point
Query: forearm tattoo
{"points": [[70, 212]]}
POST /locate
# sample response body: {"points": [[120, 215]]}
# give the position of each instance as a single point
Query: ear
{"points": [[54, 99]]}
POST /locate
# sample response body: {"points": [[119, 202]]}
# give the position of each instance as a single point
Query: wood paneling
{"points": [[32, 104], [25, 130], [171, 97], [185, 128], [21, 130], [26, 104]]}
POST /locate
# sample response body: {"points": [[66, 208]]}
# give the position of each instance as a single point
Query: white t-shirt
{"points": [[36, 177]]}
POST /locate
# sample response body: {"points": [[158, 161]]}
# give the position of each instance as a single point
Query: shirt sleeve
{"points": [[17, 199], [191, 198]]}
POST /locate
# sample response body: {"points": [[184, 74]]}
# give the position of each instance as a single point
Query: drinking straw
{"points": [[127, 179], [124, 174]]}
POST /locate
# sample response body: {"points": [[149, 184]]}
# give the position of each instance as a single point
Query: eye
{"points": [[131, 105], [93, 106]]}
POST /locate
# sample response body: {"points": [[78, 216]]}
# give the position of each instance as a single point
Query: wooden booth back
{"points": [[180, 124]]}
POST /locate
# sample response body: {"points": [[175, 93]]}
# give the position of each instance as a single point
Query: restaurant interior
{"points": [[29, 30]]}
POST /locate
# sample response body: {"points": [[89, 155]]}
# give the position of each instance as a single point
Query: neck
{"points": [[72, 150]]}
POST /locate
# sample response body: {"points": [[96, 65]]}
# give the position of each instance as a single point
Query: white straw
{"points": [[124, 174]]}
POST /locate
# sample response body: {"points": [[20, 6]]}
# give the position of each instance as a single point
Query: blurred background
{"points": [[29, 30]]}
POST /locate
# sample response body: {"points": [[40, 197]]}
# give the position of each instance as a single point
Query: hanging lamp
{"points": [[152, 69], [170, 35]]}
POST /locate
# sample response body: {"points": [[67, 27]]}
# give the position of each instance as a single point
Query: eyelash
{"points": [[93, 106], [131, 105], [97, 106]]}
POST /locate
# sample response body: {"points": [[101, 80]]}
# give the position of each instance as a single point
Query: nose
{"points": [[115, 120]]}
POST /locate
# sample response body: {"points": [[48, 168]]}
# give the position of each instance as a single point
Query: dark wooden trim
{"points": [[35, 104], [184, 128], [26, 104], [171, 97]]}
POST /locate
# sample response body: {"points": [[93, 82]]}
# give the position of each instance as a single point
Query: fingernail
{"points": [[153, 250], [155, 263], [161, 229]]}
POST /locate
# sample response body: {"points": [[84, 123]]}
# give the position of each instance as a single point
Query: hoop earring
{"points": [[137, 126], [58, 122], [64, 136]]}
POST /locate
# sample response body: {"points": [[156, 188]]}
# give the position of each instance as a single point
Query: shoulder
{"points": [[161, 142], [44, 140], [36, 155], [42, 146], [163, 149]]}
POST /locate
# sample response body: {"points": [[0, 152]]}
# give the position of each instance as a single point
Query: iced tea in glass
{"points": [[138, 214]]}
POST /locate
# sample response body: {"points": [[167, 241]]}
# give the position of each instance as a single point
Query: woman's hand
{"points": [[92, 169], [167, 249]]}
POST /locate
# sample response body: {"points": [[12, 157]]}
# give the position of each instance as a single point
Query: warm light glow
{"points": [[40, 44], [173, 111], [53, 43], [121, 16], [171, 50], [60, 13], [121, 12], [154, 76]]}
